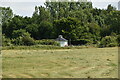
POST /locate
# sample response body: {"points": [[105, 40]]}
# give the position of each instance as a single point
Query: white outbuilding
{"points": [[63, 42]]}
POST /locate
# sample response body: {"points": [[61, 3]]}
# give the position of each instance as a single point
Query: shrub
{"points": [[17, 41], [28, 41], [118, 40], [108, 41], [81, 42], [6, 41], [47, 42], [23, 39], [112, 45], [18, 33]]}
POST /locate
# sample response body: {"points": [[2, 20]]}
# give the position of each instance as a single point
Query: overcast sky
{"points": [[26, 7]]}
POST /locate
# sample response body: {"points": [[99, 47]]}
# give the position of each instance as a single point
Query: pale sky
{"points": [[26, 7]]}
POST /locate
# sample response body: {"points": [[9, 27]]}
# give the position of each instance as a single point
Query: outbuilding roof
{"points": [[60, 38]]}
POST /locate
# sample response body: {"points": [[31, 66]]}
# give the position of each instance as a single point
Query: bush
{"points": [[112, 45], [44, 47], [108, 41], [47, 42], [18, 33], [23, 39], [17, 41], [6, 41], [81, 42], [118, 40], [28, 41]]}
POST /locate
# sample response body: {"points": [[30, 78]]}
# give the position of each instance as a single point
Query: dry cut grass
{"points": [[63, 63]]}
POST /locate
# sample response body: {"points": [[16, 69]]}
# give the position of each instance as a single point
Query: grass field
{"points": [[61, 63]]}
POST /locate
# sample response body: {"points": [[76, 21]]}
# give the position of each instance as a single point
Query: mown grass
{"points": [[61, 63]]}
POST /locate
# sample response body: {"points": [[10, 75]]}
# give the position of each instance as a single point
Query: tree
{"points": [[18, 33], [6, 15], [33, 30], [110, 8], [35, 15], [77, 21], [43, 14], [113, 19], [69, 27], [105, 31], [94, 29], [16, 23], [45, 30]]}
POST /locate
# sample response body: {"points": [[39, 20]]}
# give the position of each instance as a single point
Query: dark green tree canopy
{"points": [[76, 21]]}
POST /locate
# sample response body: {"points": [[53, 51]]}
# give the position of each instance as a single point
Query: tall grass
{"points": [[41, 47]]}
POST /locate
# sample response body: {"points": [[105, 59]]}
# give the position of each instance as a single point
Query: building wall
{"points": [[63, 43]]}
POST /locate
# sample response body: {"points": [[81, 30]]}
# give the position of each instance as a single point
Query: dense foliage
{"points": [[76, 21]]}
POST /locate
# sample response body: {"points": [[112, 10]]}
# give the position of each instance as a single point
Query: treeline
{"points": [[77, 21]]}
